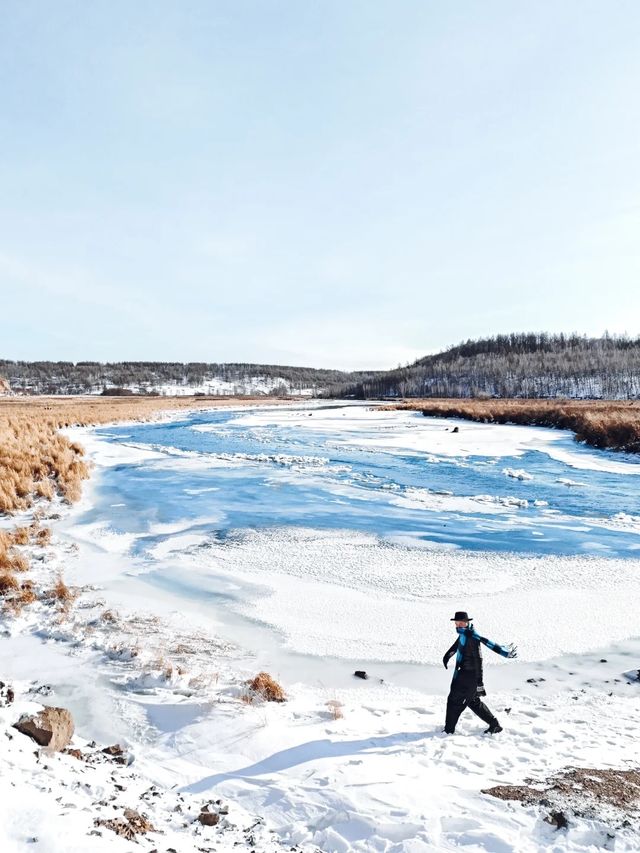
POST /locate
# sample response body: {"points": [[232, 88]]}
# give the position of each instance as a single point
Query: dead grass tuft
{"points": [[335, 709], [8, 583], [266, 688], [42, 536], [62, 595], [36, 461], [109, 616], [20, 536], [132, 823]]}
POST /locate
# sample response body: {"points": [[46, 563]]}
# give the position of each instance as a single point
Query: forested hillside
{"points": [[148, 377], [517, 365]]}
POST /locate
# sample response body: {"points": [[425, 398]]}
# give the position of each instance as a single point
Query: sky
{"points": [[329, 183]]}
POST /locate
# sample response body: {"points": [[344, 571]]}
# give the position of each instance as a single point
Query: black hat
{"points": [[461, 616]]}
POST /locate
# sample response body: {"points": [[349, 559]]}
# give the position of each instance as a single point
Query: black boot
{"points": [[494, 729]]}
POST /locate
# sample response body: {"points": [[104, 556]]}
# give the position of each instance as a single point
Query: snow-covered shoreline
{"points": [[358, 766]]}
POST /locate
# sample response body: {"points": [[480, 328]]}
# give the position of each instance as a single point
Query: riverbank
{"points": [[604, 424], [343, 765]]}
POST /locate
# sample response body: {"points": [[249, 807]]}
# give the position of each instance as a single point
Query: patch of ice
{"points": [[517, 473], [312, 585]]}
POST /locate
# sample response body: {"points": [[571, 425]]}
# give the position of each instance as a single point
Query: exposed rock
{"points": [[208, 818], [557, 819], [6, 695], [360, 673], [50, 727], [75, 753], [116, 753]]}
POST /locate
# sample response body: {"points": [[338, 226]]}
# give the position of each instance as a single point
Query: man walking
{"points": [[467, 684]]}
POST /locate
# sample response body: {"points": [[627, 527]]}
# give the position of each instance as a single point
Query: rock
{"points": [[456, 429], [74, 753], [51, 727], [116, 752], [208, 818], [557, 819], [360, 673], [114, 749], [6, 695]]}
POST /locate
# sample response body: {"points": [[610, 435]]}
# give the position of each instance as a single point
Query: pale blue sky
{"points": [[337, 183]]}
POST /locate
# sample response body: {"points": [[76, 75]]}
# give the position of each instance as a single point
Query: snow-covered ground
{"points": [[198, 600]]}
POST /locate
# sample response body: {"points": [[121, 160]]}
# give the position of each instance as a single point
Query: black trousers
{"points": [[463, 694]]}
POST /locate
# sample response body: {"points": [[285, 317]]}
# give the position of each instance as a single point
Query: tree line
{"points": [[532, 365], [85, 377]]}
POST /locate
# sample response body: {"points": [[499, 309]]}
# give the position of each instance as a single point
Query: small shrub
{"points": [[45, 489], [12, 562], [264, 686], [43, 536], [8, 583], [62, 595], [20, 536], [26, 594]]}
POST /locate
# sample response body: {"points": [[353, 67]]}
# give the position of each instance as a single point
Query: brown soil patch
{"points": [[583, 791]]}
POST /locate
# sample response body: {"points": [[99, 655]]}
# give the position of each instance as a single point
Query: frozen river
{"points": [[346, 529]]}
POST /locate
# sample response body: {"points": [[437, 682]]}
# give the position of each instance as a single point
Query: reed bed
{"points": [[37, 463], [605, 424]]}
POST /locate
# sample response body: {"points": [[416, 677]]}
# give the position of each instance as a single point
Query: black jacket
{"points": [[469, 654], [470, 658]]}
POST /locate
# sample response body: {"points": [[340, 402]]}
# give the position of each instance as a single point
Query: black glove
{"points": [[480, 691], [513, 651]]}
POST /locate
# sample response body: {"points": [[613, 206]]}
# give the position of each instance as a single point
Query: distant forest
{"points": [[535, 365], [516, 365], [86, 377]]}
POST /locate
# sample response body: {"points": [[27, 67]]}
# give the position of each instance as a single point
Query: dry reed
{"points": [[266, 687], [36, 461], [605, 424]]}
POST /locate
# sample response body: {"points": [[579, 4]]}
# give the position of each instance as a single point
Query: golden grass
{"points": [[61, 592], [20, 597], [606, 424], [20, 536], [36, 461], [41, 535], [8, 582], [266, 687]]}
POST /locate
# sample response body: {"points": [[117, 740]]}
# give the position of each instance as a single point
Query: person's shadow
{"points": [[310, 751]]}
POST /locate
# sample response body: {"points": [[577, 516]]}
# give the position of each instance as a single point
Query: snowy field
{"points": [[311, 541]]}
